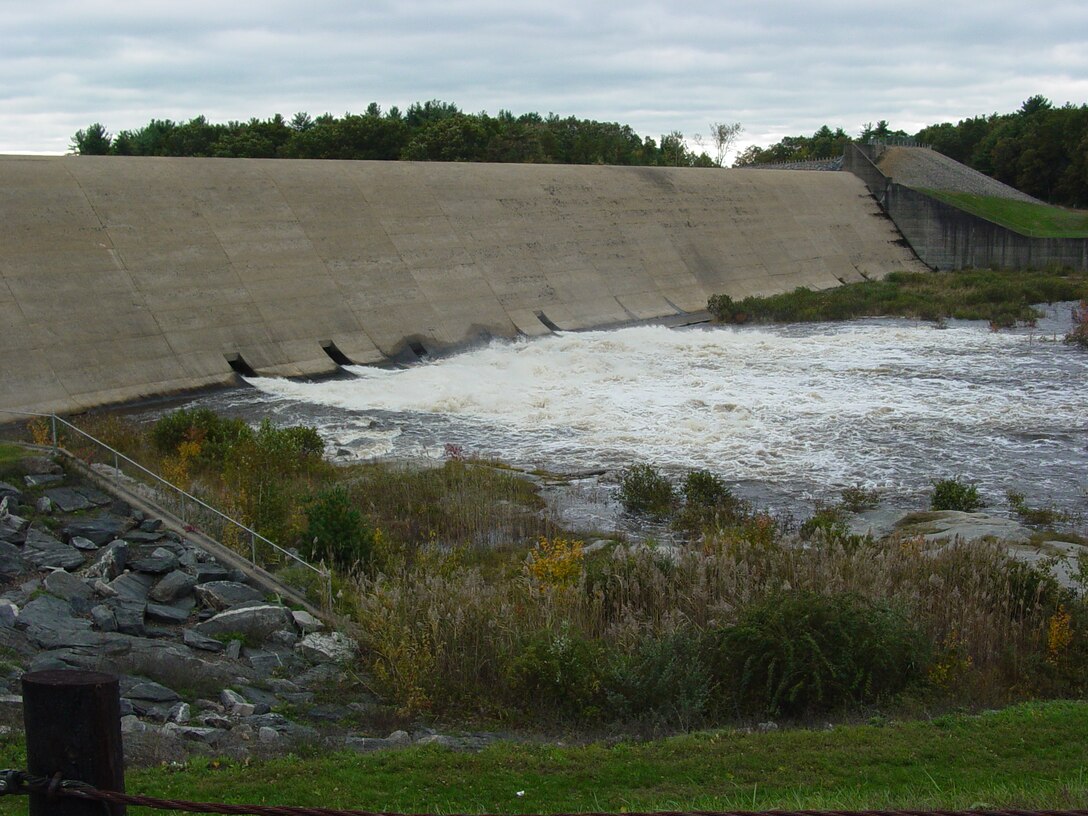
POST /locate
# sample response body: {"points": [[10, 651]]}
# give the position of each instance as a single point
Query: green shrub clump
{"points": [[337, 531], [645, 490], [954, 494], [801, 653]]}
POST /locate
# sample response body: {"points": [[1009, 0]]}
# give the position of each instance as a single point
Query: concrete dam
{"points": [[123, 278]]}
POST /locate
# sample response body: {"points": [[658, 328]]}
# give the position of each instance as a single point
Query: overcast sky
{"points": [[780, 67]]}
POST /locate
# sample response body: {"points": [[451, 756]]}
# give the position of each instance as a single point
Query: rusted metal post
{"points": [[73, 727]]}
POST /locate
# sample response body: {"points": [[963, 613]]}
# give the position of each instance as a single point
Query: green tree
{"points": [[94, 141]]}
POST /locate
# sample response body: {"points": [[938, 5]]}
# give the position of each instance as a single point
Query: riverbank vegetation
{"points": [[472, 607], [1004, 298]]}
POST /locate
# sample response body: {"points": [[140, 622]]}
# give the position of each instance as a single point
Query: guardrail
{"points": [[191, 510]]}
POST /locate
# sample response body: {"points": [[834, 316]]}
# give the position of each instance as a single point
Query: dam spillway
{"points": [[122, 278]]}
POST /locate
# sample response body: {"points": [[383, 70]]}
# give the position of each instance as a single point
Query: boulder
{"points": [[33, 480], [221, 595], [163, 613], [100, 530], [73, 499], [12, 562], [110, 561], [152, 692], [10, 490], [81, 543], [133, 586], [196, 640], [306, 622], [159, 562], [44, 551], [332, 647], [48, 622], [256, 622], [67, 586], [13, 528]]}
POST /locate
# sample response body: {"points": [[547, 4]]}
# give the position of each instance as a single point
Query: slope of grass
{"points": [[1038, 220], [1028, 756]]}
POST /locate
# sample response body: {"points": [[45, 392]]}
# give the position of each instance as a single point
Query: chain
{"points": [[18, 782]]}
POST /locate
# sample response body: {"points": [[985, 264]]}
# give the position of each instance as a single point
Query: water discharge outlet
{"points": [[239, 365], [334, 353]]}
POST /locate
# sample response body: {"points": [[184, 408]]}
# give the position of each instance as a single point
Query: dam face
{"points": [[122, 278]]}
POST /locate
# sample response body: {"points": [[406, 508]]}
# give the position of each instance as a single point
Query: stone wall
{"points": [[122, 277]]}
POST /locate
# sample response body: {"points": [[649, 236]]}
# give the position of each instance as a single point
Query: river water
{"points": [[782, 413]]}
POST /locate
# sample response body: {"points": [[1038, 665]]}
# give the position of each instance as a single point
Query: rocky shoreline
{"points": [[207, 662]]}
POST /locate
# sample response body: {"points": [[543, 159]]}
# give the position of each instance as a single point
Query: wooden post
{"points": [[73, 725]]}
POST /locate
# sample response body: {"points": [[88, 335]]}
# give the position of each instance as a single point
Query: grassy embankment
{"points": [[1037, 220], [1027, 756], [1002, 297]]}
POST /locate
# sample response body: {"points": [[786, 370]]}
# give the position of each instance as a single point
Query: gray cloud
{"points": [[780, 67]]}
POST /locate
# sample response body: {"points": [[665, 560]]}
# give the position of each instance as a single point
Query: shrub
{"points": [[215, 434], [560, 670], [708, 502], [828, 521], [857, 499], [337, 531], [644, 490], [801, 653], [953, 494], [1078, 335], [665, 680]]}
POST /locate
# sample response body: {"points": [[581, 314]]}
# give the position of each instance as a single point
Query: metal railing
{"points": [[194, 513]]}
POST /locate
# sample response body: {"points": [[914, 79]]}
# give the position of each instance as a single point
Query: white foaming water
{"points": [[795, 410]]}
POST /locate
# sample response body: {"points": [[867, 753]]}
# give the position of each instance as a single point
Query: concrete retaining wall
{"points": [[127, 277], [946, 237]]}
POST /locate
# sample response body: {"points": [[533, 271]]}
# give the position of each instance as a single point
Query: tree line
{"points": [[429, 131], [1039, 149]]}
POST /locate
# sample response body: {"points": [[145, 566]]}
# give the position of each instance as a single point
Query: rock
{"points": [[176, 584], [306, 622], [160, 562], [329, 712], [110, 562], [131, 724], [196, 640], [143, 537], [210, 571], [233, 650], [44, 505], [132, 586], [152, 692], [221, 595], [333, 647], [399, 738], [12, 563], [81, 543], [9, 613], [151, 525], [940, 525], [228, 698], [68, 499], [266, 734], [179, 713], [472, 742], [67, 586], [44, 551], [284, 638], [10, 491], [258, 697], [162, 613], [213, 720], [13, 528], [103, 618], [48, 621], [33, 480], [100, 530], [41, 465], [365, 745], [256, 622], [208, 736], [767, 726], [130, 616]]}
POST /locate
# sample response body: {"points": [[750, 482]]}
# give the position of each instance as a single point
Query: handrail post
{"points": [[252, 547], [53, 423], [73, 728]]}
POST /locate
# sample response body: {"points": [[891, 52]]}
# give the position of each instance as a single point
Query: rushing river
{"points": [[781, 412]]}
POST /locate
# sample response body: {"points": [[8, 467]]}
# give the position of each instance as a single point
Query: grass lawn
{"points": [[1039, 220], [1027, 756], [11, 453]]}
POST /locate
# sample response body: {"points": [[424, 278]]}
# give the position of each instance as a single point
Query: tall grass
{"points": [[448, 640]]}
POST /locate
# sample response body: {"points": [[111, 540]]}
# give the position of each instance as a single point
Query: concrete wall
{"points": [[946, 237], [128, 277]]}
